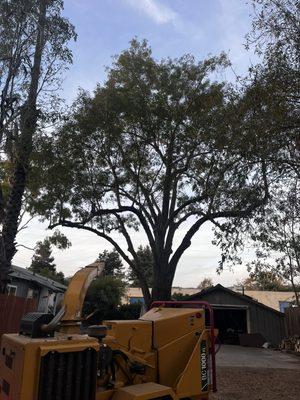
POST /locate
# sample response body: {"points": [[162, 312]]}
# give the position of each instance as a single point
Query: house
{"points": [[27, 284], [135, 295], [236, 313], [277, 300]]}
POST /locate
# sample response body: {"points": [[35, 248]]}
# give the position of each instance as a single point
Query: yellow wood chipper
{"points": [[167, 354]]}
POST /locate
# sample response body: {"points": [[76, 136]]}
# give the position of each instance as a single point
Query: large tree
{"points": [[159, 146], [33, 52]]}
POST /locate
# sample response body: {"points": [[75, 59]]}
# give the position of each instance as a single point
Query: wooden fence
{"points": [[292, 319], [12, 309]]}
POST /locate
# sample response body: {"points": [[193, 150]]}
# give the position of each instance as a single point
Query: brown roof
{"points": [[204, 292]]}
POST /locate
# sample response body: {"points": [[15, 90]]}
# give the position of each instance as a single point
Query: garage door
{"points": [[230, 322]]}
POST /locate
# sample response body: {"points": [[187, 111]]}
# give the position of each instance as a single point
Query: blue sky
{"points": [[173, 28]]}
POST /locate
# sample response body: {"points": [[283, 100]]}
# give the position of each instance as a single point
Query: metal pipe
{"points": [[53, 324]]}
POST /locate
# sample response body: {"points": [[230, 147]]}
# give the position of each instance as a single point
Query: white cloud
{"points": [[154, 9]]}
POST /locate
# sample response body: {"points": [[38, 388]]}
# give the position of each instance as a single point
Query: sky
{"points": [[173, 28]]}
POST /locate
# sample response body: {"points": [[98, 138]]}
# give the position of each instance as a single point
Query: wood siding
{"points": [[268, 322], [12, 309], [292, 317]]}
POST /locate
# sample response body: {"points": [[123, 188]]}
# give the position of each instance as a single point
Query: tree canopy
{"points": [[43, 262], [263, 280], [33, 53], [158, 145], [113, 263], [277, 238], [205, 284], [104, 295]]}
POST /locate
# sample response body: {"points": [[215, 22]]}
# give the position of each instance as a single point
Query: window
{"points": [[11, 290], [284, 304], [32, 294]]}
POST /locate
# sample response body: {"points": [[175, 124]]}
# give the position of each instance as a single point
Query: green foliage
{"points": [[158, 145], [271, 96], [277, 238], [180, 296], [146, 264], [263, 280], [43, 262], [59, 240], [274, 81], [123, 312], [205, 284], [34, 52], [42, 258], [104, 295], [129, 311], [113, 263]]}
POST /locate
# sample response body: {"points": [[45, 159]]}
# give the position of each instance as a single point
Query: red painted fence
{"points": [[12, 309]]}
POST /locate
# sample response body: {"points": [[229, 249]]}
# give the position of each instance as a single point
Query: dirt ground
{"points": [[235, 383], [256, 374]]}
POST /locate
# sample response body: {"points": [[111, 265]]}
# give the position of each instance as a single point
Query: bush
{"points": [[123, 312]]}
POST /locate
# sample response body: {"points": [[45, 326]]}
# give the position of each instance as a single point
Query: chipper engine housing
{"points": [[166, 354]]}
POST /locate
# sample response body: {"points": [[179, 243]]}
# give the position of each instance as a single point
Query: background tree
{"points": [[146, 263], [104, 296], [263, 280], [42, 258], [205, 284], [157, 146], [113, 263], [33, 38], [177, 296], [275, 79], [278, 238], [271, 94], [43, 262]]}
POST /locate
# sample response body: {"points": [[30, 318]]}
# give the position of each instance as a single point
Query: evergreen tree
{"points": [[146, 262], [113, 263], [42, 258], [43, 262]]}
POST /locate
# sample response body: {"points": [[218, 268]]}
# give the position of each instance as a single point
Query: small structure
{"points": [[237, 314], [47, 292]]}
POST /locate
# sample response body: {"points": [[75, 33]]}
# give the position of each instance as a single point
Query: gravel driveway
{"points": [[256, 374]]}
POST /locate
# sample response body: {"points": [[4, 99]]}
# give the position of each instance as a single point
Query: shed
{"points": [[236, 313]]}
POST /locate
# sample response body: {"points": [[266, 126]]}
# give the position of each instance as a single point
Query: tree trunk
{"points": [[296, 293], [146, 295], [28, 122], [162, 285]]}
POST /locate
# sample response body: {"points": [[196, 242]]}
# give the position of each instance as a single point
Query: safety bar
{"points": [[203, 304]]}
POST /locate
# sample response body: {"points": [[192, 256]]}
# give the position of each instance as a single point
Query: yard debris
{"points": [[291, 344]]}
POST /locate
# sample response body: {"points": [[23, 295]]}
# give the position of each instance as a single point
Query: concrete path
{"points": [[249, 357]]}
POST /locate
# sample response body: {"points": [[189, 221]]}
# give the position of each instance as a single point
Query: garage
{"points": [[230, 322], [236, 313]]}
